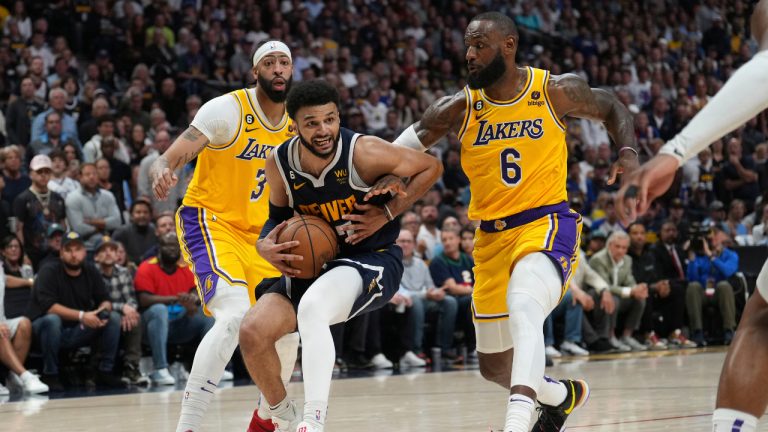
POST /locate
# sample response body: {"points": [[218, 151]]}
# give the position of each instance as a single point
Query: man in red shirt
{"points": [[171, 312]]}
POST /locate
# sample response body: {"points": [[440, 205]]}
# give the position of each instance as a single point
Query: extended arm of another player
{"points": [[183, 150], [443, 116], [742, 97]]}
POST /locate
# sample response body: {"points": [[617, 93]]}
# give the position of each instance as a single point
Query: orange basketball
{"points": [[317, 243]]}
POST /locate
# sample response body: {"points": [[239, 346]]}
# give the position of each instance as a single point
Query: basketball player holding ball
{"points": [[326, 171]]}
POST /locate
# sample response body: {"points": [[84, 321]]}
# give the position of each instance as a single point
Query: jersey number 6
{"points": [[511, 173], [261, 180]]}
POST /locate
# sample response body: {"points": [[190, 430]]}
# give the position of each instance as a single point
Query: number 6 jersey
{"points": [[513, 151]]}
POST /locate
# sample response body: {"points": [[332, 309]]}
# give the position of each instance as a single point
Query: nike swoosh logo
{"points": [[250, 130], [211, 383], [479, 117], [299, 186], [206, 390]]}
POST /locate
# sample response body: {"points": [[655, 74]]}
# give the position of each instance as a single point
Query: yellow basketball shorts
{"points": [[554, 230], [216, 250]]}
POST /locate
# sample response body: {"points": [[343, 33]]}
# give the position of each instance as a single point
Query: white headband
{"points": [[271, 47]]}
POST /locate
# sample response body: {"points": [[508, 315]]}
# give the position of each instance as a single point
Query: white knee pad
{"points": [[228, 308], [762, 281], [535, 275]]}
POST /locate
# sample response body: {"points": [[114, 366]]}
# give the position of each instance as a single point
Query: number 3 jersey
{"points": [[229, 180], [334, 193], [513, 151]]}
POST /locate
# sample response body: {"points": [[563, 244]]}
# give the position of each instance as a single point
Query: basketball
{"points": [[317, 243]]}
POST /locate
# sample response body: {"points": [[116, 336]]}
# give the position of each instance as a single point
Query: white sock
{"points": [[194, 404], [551, 392], [519, 411], [281, 408], [728, 420], [315, 412]]}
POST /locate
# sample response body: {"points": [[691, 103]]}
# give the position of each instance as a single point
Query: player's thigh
{"points": [[272, 317]]}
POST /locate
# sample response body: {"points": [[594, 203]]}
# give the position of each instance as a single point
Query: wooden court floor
{"points": [[671, 391]]}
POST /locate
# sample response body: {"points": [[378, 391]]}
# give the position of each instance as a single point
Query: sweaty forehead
{"points": [[481, 29]]}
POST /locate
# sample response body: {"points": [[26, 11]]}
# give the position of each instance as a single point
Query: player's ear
{"points": [[510, 44]]}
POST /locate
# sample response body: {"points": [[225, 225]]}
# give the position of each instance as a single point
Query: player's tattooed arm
{"points": [[443, 116], [183, 150], [572, 96]]}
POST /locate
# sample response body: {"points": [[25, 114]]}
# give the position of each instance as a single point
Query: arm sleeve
{"points": [[741, 98], [277, 214], [218, 119], [75, 215]]}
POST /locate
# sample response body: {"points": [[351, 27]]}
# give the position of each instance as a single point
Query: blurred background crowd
{"points": [[91, 92]]}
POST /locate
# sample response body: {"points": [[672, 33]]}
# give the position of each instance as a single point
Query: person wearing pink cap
{"points": [[37, 208]]}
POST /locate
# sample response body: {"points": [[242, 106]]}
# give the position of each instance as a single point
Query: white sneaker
{"points": [[4, 390], [633, 343], [409, 359], [13, 382], [227, 376], [381, 362], [619, 345], [306, 427], [552, 352], [289, 420], [31, 384], [177, 370], [573, 349], [162, 377]]}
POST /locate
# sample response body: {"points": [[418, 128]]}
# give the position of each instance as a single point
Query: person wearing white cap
{"points": [[37, 208], [220, 219]]}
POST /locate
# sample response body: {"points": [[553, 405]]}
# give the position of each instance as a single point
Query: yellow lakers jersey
{"points": [[513, 151], [229, 179]]}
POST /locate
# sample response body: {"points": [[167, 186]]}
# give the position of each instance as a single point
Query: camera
{"points": [[103, 315], [698, 234]]}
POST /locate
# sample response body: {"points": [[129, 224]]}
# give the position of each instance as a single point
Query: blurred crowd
{"points": [[92, 92]]}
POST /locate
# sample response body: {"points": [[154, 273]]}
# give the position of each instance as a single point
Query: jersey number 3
{"points": [[261, 180], [511, 173]]}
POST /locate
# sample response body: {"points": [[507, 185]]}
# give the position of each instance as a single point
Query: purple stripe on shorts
{"points": [[194, 242], [564, 243]]}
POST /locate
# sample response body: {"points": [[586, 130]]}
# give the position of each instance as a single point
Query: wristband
{"points": [[80, 316], [388, 213], [630, 149]]}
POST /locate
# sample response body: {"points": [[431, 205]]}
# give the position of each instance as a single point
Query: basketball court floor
{"points": [[660, 391]]}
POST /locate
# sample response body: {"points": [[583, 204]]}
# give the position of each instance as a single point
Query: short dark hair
{"points": [[503, 23], [311, 93], [104, 119], [54, 154], [144, 202]]}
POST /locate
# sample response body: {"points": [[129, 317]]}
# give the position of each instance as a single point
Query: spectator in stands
{"points": [[70, 308], [453, 175], [116, 176], [106, 129], [610, 222], [21, 112], [15, 181], [171, 313], [661, 118], [119, 283], [60, 182], [54, 235], [716, 215], [160, 145], [571, 309], [739, 174], [452, 272], [467, 240], [37, 208], [429, 236], [53, 138], [18, 277], [710, 265], [644, 270], [139, 145], [615, 267], [760, 231], [57, 101], [733, 222], [139, 236], [91, 211], [89, 122], [412, 222], [15, 339], [164, 223], [420, 294]]}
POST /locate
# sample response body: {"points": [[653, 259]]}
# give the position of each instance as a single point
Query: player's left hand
{"points": [[627, 163], [390, 184], [643, 185], [365, 224]]}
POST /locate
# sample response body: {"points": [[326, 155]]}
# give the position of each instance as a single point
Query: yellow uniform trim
{"points": [[209, 250], [550, 108], [265, 122], [526, 87], [467, 112]]}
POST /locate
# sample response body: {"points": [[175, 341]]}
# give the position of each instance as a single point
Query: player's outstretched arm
{"points": [[443, 116], [375, 158], [572, 96], [183, 150]]}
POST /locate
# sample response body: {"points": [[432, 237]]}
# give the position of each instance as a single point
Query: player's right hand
{"points": [[274, 252], [162, 182], [643, 185]]}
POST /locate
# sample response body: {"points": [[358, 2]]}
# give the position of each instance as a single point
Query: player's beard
{"points": [[312, 150], [488, 75], [274, 95]]}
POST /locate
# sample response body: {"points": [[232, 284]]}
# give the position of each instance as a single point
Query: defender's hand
{"points": [[364, 225], [643, 185], [274, 252]]}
